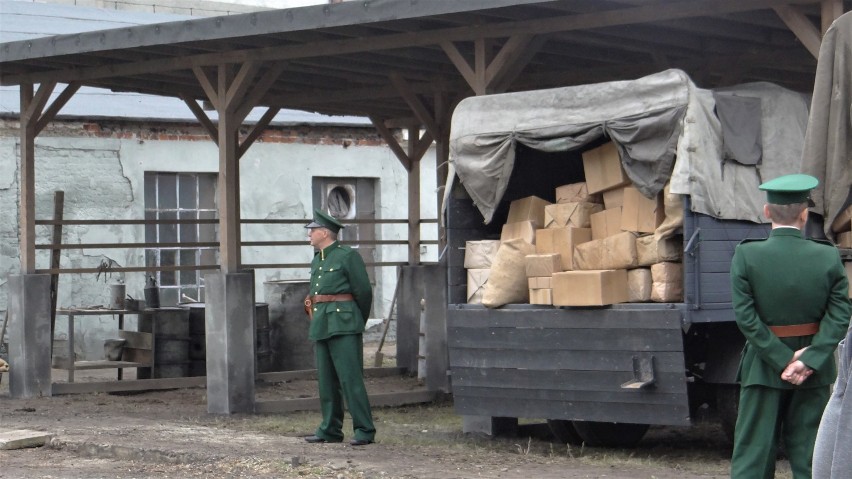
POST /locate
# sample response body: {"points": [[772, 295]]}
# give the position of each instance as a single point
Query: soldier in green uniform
{"points": [[339, 305], [790, 299]]}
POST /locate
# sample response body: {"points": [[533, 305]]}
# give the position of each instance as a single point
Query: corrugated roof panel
{"points": [[21, 20]]}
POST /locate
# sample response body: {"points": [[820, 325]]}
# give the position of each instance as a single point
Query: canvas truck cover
{"points": [[666, 129], [828, 145]]}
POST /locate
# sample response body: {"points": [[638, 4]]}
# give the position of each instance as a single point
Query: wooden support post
{"points": [[27, 182], [229, 178], [55, 255], [495, 75], [413, 198], [830, 11], [801, 26]]}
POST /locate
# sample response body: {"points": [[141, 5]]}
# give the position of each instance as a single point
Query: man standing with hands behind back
{"points": [[790, 299], [338, 306]]}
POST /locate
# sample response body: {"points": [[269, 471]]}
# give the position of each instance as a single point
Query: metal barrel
{"points": [[170, 327], [198, 339], [288, 325]]}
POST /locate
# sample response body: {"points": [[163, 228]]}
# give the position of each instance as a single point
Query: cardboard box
{"points": [[476, 280], [641, 214], [575, 193], [543, 264], [590, 288], [606, 223], [844, 240], [667, 286], [524, 230], [577, 215], [562, 241], [480, 254], [843, 222], [530, 208], [540, 282], [651, 251], [613, 198], [613, 252], [603, 170], [639, 285], [541, 296]]}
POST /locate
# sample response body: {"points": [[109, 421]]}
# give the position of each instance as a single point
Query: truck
{"points": [[601, 375]]}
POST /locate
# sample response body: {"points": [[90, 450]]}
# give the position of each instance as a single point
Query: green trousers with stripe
{"points": [[340, 373], [767, 415]]}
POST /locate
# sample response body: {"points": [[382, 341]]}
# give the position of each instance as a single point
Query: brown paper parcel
{"points": [[651, 251], [575, 193], [562, 241], [639, 285], [577, 215], [667, 284], [476, 281], [480, 254], [614, 252], [524, 230], [543, 264], [507, 282]]}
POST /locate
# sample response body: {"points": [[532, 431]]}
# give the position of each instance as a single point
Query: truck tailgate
{"points": [[528, 361]]}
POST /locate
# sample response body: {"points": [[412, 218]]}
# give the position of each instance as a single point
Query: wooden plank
{"points": [[624, 396], [376, 400], [413, 198], [280, 376], [104, 364], [584, 411], [56, 105], [26, 206], [23, 438], [392, 142], [575, 318], [145, 357], [426, 117], [549, 340], [579, 360], [801, 26], [510, 378], [137, 339], [131, 385], [229, 178], [830, 10]]}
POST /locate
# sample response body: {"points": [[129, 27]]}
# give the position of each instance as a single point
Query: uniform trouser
{"points": [[765, 414], [340, 371]]}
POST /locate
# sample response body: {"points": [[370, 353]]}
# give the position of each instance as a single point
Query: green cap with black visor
{"points": [[790, 189], [324, 220]]}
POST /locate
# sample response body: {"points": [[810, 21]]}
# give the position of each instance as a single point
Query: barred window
{"points": [[180, 196]]}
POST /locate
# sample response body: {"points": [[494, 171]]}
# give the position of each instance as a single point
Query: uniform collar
{"points": [[786, 232], [327, 249]]}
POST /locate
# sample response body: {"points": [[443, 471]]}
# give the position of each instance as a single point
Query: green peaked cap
{"points": [[324, 220], [789, 189]]}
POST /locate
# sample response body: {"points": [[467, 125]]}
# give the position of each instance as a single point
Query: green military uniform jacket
{"points": [[787, 280], [339, 269]]}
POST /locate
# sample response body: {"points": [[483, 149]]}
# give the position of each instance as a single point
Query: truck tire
{"points": [[727, 405], [564, 432], [610, 434]]}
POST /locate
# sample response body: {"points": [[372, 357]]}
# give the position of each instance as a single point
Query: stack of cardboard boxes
{"points": [[595, 246]]}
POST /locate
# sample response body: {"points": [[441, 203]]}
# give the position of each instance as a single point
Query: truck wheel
{"points": [[564, 432], [610, 434], [727, 405]]}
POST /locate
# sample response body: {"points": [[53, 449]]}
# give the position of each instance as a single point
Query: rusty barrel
{"points": [[288, 324], [198, 339], [170, 327]]}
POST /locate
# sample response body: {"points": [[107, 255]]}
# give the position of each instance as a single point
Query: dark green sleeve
{"points": [[360, 283], [768, 347], [832, 327]]}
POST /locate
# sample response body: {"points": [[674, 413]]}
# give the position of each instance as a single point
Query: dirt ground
{"points": [[169, 434]]}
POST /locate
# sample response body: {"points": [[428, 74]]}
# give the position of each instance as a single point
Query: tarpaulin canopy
{"points": [[666, 129]]}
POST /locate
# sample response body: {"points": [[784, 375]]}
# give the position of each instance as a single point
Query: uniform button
{"points": [[338, 310]]}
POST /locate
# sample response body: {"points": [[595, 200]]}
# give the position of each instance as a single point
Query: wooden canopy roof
{"points": [[364, 57]]}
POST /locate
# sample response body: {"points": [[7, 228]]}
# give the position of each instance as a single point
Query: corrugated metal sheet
{"points": [[22, 20]]}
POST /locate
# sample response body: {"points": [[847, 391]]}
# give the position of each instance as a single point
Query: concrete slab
{"points": [[29, 335], [23, 438]]}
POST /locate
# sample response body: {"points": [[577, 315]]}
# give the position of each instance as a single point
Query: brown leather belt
{"points": [[328, 298], [808, 329], [324, 298]]}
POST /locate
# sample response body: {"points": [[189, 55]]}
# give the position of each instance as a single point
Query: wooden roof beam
{"points": [[799, 24], [625, 16]]}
